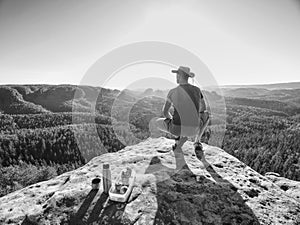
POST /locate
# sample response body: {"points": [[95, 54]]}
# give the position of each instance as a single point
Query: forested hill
{"points": [[37, 130], [20, 99]]}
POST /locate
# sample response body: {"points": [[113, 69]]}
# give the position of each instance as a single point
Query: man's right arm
{"points": [[204, 115], [202, 105]]}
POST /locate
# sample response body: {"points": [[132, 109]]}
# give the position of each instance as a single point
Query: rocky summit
{"points": [[171, 187]]}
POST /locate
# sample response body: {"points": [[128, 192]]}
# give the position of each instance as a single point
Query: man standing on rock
{"points": [[190, 117]]}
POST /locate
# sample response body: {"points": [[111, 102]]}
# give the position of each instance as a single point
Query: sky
{"points": [[240, 41]]}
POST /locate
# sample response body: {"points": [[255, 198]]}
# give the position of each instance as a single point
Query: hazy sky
{"points": [[241, 41]]}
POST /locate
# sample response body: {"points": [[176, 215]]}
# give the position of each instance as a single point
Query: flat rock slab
{"points": [[166, 191]]}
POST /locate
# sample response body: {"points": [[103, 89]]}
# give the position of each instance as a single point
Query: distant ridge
{"points": [[289, 85], [24, 99]]}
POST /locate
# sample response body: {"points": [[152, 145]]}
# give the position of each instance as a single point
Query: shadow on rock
{"points": [[103, 212], [183, 200], [77, 218]]}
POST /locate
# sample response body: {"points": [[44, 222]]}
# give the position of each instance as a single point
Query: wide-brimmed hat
{"points": [[185, 70]]}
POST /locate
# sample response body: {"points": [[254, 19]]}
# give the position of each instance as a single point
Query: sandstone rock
{"points": [[291, 188], [165, 192]]}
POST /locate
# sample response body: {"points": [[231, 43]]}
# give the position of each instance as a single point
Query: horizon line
{"points": [[221, 85]]}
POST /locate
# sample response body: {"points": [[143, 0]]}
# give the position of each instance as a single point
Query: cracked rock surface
{"points": [[170, 188]]}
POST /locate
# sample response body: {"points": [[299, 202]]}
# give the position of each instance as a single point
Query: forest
{"points": [[39, 145]]}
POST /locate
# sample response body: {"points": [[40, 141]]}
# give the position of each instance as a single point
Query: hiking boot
{"points": [[179, 140], [176, 141], [174, 147], [198, 150]]}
